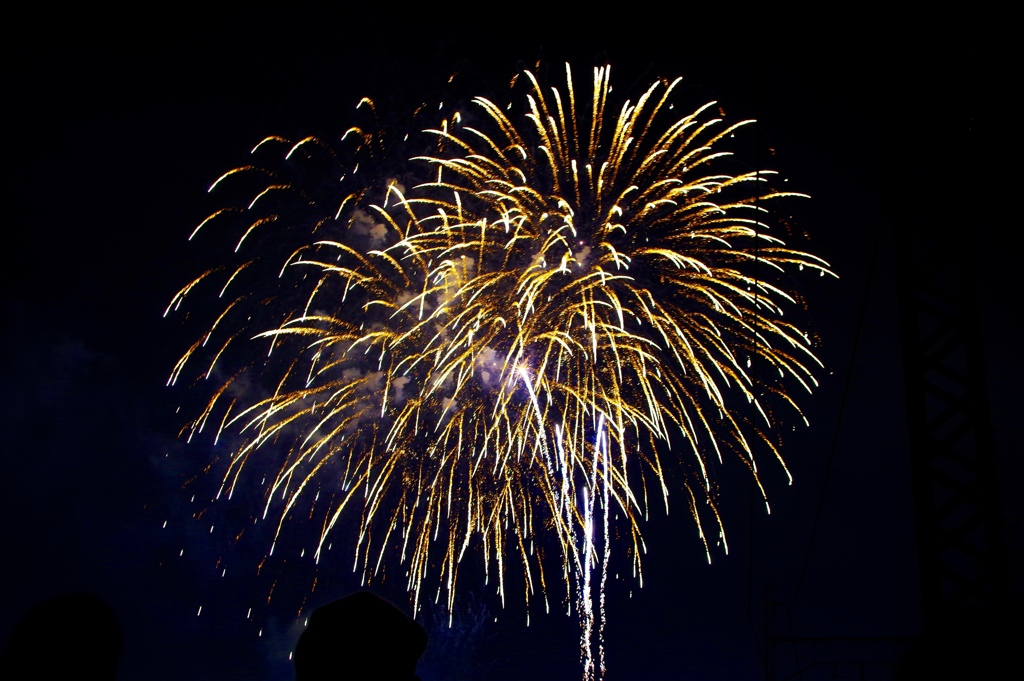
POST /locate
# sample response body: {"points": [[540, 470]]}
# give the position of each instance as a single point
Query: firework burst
{"points": [[512, 356]]}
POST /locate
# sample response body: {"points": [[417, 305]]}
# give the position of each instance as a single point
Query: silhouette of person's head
{"points": [[359, 637], [75, 636]]}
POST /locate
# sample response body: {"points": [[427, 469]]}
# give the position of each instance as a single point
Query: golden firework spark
{"points": [[510, 355]]}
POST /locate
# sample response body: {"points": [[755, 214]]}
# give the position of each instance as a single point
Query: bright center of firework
{"points": [[376, 338]]}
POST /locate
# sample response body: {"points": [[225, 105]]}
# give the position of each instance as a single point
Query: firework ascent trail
{"points": [[547, 333]]}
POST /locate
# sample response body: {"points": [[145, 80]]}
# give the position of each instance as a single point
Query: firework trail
{"points": [[554, 325]]}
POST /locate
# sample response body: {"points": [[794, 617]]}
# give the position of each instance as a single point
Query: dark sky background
{"points": [[112, 138]]}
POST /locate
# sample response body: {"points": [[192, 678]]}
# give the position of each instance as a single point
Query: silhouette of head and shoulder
{"points": [[74, 636], [359, 637]]}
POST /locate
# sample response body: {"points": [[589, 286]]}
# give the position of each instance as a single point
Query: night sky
{"points": [[111, 141]]}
